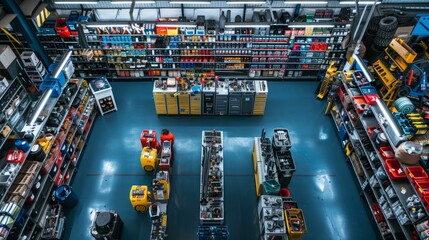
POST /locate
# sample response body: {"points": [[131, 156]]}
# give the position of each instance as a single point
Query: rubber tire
{"points": [[368, 39], [385, 34], [388, 23], [373, 23], [381, 43], [148, 168], [403, 92], [140, 208]]}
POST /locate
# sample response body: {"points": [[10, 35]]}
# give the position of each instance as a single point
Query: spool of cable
{"points": [[404, 104]]}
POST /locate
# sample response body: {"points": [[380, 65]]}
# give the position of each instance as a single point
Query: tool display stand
{"points": [[221, 106], [54, 222], [103, 94], [272, 223], [264, 163], [171, 97], [159, 97], [158, 214], [106, 225], [241, 97], [208, 100], [261, 94], [211, 181], [184, 93], [195, 100]]}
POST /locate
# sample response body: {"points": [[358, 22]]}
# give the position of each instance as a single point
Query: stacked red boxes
{"points": [[15, 156], [416, 173]]}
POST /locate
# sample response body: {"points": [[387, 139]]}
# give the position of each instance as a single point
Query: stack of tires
{"points": [[380, 32]]}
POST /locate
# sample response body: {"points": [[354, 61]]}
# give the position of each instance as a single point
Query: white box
{"points": [[29, 59], [267, 201], [6, 56], [274, 228]]}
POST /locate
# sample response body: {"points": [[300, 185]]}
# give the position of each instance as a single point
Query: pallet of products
{"points": [[212, 179]]}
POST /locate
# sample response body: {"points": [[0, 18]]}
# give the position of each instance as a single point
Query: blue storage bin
{"points": [[66, 196], [46, 84], [61, 78]]}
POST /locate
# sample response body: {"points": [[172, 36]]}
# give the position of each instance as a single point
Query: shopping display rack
{"points": [[212, 212]]}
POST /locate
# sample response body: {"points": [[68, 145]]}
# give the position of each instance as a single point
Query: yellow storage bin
{"points": [[295, 223]]}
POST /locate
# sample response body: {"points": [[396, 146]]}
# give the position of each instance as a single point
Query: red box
{"points": [[387, 153], [394, 169], [59, 178], [360, 103], [371, 98], [416, 173], [15, 156], [62, 28], [371, 129], [422, 187], [149, 136]]}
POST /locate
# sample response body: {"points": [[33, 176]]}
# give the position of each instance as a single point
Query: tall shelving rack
{"points": [[384, 192]]}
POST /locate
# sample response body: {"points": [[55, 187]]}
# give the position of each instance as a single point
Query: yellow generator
{"points": [[161, 186], [148, 158], [140, 198]]}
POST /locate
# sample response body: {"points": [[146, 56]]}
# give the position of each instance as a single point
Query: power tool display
{"points": [[212, 182], [273, 162], [212, 212]]}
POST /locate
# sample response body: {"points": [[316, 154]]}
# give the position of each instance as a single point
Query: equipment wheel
{"points": [[148, 168], [388, 23], [403, 91], [140, 208]]}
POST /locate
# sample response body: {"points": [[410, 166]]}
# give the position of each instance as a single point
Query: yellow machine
{"points": [[400, 53], [391, 85], [148, 158], [140, 198], [327, 80], [161, 186]]}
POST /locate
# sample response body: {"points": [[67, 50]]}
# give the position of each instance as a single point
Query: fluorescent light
{"points": [[245, 2], [306, 2], [359, 2], [129, 2], [190, 2], [312, 25], [76, 2]]}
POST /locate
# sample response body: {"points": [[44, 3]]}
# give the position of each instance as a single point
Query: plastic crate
{"points": [[62, 28], [48, 27], [394, 169], [295, 223], [284, 162], [422, 187], [416, 173], [387, 153], [360, 103], [281, 139]]}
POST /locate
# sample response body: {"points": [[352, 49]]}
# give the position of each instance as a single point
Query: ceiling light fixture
{"points": [[306, 2], [190, 2], [359, 2], [76, 2], [129, 2], [245, 2]]}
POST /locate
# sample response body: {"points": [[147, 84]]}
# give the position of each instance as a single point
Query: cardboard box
{"points": [[404, 33], [7, 56]]}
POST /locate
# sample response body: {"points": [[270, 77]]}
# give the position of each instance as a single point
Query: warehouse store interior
{"points": [[214, 120]]}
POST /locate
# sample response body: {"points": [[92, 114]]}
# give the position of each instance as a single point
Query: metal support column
{"points": [[21, 25]]}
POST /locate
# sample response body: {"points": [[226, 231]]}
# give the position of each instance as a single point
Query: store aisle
{"points": [[323, 184]]}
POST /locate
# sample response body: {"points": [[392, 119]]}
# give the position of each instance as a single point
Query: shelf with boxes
{"points": [[400, 198]]}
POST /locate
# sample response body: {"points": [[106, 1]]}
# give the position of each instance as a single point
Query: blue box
{"points": [[46, 84]]}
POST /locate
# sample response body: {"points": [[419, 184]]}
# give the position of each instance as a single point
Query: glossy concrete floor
{"points": [[323, 184]]}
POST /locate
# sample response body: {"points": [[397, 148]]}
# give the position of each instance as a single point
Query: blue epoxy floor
{"points": [[323, 184]]}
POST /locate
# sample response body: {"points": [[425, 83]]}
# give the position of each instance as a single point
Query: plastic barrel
{"points": [[404, 104], [66, 196]]}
